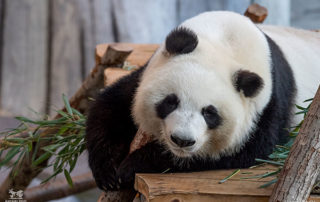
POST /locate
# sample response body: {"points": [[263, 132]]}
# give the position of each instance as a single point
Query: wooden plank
{"points": [[24, 57], [114, 74], [140, 55], [66, 52], [144, 21], [204, 186]]}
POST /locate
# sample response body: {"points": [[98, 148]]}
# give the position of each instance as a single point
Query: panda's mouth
{"points": [[181, 152]]}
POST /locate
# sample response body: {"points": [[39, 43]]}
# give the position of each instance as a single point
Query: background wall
{"points": [[47, 46]]}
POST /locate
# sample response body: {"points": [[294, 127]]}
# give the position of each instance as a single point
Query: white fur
{"points": [[228, 42], [302, 50]]}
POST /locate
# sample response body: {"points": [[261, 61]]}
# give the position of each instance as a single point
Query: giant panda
{"points": [[217, 94]]}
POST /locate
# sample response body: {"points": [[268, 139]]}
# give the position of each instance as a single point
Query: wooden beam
{"points": [[60, 188], [205, 186], [303, 163]]}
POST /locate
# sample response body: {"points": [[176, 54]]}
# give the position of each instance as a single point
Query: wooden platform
{"points": [[205, 186]]}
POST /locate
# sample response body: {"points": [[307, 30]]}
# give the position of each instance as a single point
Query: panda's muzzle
{"points": [[182, 142]]}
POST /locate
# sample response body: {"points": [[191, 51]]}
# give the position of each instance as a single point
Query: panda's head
{"points": [[203, 90]]}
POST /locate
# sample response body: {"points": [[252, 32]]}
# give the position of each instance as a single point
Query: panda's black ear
{"points": [[181, 40], [247, 82]]}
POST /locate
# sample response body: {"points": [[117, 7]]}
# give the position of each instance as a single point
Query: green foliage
{"points": [[65, 143]]}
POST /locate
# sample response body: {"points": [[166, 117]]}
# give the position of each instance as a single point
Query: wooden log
{"points": [[24, 57], [303, 163], [111, 75], [117, 196], [116, 53], [26, 172], [205, 186], [139, 57], [60, 188], [256, 13]]}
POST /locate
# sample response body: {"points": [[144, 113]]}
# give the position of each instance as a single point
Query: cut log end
{"points": [[256, 13], [116, 54]]}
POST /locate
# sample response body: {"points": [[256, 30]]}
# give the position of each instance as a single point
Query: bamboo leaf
{"points": [[52, 176], [41, 159], [68, 178], [11, 153], [270, 162], [67, 104], [269, 183], [73, 163], [230, 176]]}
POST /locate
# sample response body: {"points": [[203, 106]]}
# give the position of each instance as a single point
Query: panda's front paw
{"points": [[106, 178], [126, 173]]}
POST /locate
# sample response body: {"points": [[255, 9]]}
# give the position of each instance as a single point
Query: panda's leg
{"points": [[110, 130], [152, 158]]}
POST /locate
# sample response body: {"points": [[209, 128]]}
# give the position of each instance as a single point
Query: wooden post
{"points": [[303, 163], [256, 13], [60, 188]]}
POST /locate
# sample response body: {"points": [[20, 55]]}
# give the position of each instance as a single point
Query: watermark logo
{"points": [[15, 196]]}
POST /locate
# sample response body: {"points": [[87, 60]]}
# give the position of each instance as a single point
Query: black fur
{"points": [[110, 130], [249, 82], [167, 105], [211, 116], [181, 41]]}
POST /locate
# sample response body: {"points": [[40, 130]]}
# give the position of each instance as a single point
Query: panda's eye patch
{"points": [[167, 105], [211, 116]]}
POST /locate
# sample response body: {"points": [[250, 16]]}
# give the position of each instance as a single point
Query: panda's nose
{"points": [[182, 142]]}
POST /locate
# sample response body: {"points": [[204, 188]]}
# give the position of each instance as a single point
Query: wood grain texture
{"points": [[87, 38], [66, 52], [204, 186], [144, 21], [140, 55], [24, 57], [303, 163], [256, 13], [96, 27]]}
